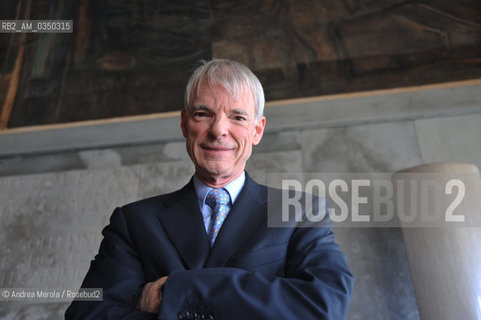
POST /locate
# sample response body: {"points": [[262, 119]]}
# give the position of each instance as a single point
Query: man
{"points": [[186, 255]]}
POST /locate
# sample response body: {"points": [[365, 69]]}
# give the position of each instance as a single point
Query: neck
{"points": [[217, 182]]}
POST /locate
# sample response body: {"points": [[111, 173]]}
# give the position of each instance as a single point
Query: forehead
{"points": [[215, 95]]}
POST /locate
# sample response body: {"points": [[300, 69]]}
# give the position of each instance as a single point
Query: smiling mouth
{"points": [[214, 148]]}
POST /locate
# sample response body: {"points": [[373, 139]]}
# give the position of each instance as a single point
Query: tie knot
{"points": [[217, 197]]}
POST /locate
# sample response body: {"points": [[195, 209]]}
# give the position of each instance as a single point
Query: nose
{"points": [[219, 127]]}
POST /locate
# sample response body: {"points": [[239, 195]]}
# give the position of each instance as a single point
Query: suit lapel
{"points": [[247, 214], [185, 227]]}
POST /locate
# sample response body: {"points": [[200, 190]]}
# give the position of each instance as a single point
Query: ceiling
{"points": [[134, 57]]}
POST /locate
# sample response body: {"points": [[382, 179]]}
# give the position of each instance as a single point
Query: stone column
{"points": [[445, 261]]}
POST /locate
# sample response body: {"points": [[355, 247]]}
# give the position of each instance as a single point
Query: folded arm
{"points": [[316, 283]]}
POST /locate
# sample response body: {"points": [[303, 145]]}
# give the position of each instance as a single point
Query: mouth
{"points": [[216, 148]]}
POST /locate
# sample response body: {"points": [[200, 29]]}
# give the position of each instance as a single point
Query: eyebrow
{"points": [[200, 107], [239, 111]]}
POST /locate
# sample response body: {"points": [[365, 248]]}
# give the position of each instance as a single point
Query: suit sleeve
{"points": [[317, 285], [117, 270]]}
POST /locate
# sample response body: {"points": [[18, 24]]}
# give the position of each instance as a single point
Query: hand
{"points": [[149, 300]]}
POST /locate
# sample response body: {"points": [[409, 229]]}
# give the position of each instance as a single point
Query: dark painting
{"points": [[128, 58]]}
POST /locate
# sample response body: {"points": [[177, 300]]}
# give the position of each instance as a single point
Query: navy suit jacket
{"points": [[251, 272]]}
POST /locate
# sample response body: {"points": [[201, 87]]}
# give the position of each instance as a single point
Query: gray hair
{"points": [[233, 76]]}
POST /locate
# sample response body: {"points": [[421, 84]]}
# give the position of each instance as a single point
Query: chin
{"points": [[212, 170], [218, 172]]}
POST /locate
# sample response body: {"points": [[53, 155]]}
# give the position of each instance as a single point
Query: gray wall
{"points": [[59, 186]]}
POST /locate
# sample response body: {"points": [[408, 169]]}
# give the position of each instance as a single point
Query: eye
{"points": [[240, 118], [200, 114]]}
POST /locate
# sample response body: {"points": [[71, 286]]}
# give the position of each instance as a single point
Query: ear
{"points": [[259, 130], [183, 123]]}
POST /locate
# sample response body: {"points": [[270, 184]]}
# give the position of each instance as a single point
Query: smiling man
{"points": [[205, 251], [221, 125]]}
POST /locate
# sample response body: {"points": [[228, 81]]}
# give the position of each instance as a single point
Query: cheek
{"points": [[191, 142], [244, 141], [195, 133]]}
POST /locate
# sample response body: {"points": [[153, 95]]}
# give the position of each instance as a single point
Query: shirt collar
{"points": [[233, 188]]}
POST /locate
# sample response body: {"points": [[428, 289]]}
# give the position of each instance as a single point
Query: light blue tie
{"points": [[217, 199]]}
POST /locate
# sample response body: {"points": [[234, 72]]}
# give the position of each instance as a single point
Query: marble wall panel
{"points": [[383, 147], [94, 158], [51, 224], [20, 165], [278, 141], [98, 159], [383, 287], [150, 153], [160, 178], [51, 229], [260, 165], [453, 139]]}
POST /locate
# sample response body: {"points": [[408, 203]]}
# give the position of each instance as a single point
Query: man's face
{"points": [[220, 132]]}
